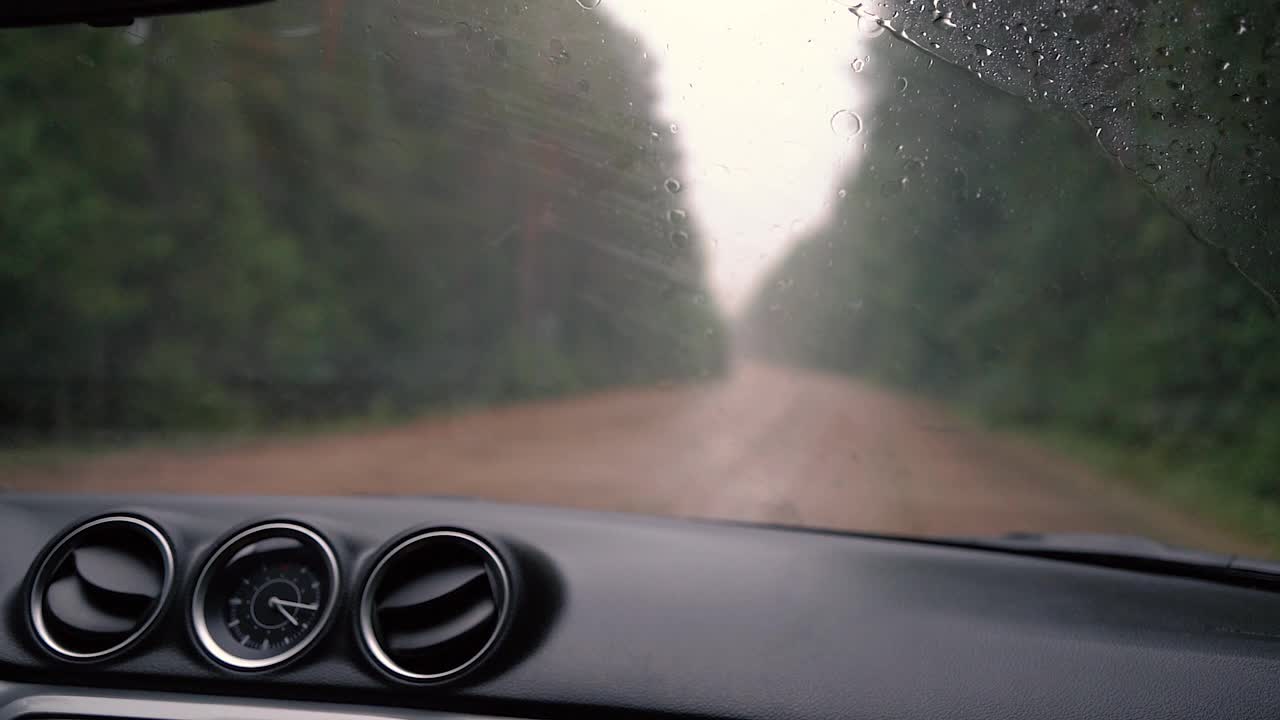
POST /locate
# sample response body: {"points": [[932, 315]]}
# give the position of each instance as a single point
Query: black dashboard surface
{"points": [[667, 617]]}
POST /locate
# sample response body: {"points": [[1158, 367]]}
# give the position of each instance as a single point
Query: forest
{"points": [[311, 211], [1010, 257], [317, 211]]}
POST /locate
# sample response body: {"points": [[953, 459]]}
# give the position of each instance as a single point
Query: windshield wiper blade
{"points": [[1134, 553]]}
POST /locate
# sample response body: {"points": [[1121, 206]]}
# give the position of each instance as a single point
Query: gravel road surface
{"points": [[766, 444]]}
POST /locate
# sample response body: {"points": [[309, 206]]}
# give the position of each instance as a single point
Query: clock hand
{"points": [[277, 603], [298, 605]]}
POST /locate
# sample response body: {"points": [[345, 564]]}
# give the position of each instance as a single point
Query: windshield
{"points": [[928, 269]]}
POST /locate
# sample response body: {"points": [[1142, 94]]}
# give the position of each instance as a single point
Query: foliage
{"points": [[989, 253], [316, 210]]}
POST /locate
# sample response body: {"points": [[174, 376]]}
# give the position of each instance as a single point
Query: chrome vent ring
{"points": [[101, 587], [435, 606]]}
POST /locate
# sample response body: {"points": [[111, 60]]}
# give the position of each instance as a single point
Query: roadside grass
{"points": [[1200, 489], [19, 453], [46, 453]]}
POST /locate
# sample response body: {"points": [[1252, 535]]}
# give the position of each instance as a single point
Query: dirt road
{"points": [[767, 444]]}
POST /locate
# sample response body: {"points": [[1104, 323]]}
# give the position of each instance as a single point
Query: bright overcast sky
{"points": [[751, 88]]}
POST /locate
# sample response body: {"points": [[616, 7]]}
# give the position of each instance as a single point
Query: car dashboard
{"points": [[313, 608]]}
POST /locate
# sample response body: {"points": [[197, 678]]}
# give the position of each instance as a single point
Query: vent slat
{"points": [[424, 640], [419, 593], [119, 570], [69, 604]]}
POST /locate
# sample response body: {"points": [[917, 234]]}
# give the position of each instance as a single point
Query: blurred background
{"points": [[915, 270]]}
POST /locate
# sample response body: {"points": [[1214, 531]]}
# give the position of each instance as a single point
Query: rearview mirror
{"points": [[21, 13]]}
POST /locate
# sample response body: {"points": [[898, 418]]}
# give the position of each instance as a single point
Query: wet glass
{"points": [[940, 268]]}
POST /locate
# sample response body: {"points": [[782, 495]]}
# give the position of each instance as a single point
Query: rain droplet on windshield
{"points": [[870, 26], [673, 186], [589, 4], [674, 128], [558, 54], [846, 123], [857, 65], [943, 18], [677, 216], [894, 187], [680, 239], [983, 50], [902, 84]]}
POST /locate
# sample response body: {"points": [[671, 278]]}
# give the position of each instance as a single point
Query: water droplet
{"points": [[1242, 26], [1038, 57], [655, 135], [589, 4], [870, 26], [972, 5], [902, 84], [677, 216], [1151, 174], [673, 186], [842, 193], [558, 54], [857, 65], [1224, 65], [680, 239], [894, 187], [584, 86], [983, 50], [944, 19], [674, 128], [846, 123]]}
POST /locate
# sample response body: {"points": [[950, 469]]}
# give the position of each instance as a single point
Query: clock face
{"points": [[275, 606], [265, 596]]}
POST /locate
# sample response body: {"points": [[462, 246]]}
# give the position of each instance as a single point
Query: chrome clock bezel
{"points": [[216, 562]]}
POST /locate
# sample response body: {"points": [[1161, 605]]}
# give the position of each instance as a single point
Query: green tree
{"points": [[315, 210], [991, 254]]}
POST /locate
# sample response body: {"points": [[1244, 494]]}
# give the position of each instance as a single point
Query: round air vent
{"points": [[101, 587], [435, 606]]}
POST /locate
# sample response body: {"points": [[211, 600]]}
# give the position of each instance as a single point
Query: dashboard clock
{"points": [[265, 595]]}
